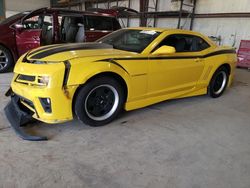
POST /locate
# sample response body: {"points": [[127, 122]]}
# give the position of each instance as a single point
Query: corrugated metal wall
{"points": [[2, 9], [231, 30]]}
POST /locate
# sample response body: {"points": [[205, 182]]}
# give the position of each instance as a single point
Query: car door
{"points": [[71, 28], [177, 73], [34, 31], [97, 27], [27, 40]]}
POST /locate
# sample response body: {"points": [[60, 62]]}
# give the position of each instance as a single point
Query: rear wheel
{"points": [[218, 82], [6, 59], [99, 101]]}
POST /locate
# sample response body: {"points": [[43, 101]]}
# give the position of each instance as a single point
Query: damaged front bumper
{"points": [[19, 115]]}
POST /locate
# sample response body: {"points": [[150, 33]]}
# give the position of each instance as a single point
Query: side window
{"points": [[99, 23], [185, 43], [201, 44], [31, 23], [131, 40], [38, 22], [116, 24], [71, 28]]}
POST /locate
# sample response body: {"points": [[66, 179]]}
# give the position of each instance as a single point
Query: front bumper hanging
{"points": [[19, 116]]}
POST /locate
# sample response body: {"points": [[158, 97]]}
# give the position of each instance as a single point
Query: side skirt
{"points": [[153, 100]]}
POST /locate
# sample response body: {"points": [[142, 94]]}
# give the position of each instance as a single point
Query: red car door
{"points": [[27, 40], [92, 36], [97, 27], [28, 33]]}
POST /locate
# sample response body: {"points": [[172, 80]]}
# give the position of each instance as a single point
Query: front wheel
{"points": [[218, 82], [99, 101], [6, 60]]}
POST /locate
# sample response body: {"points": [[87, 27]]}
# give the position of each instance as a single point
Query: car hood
{"points": [[64, 52]]}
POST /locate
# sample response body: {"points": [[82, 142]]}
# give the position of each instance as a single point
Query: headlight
{"points": [[39, 62], [43, 80]]}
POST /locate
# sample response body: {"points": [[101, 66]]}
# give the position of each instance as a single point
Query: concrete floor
{"points": [[197, 142]]}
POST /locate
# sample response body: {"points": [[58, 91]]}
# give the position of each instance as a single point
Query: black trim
{"points": [[46, 106], [9, 92], [28, 102], [219, 53], [70, 47], [175, 57], [66, 73], [43, 48], [25, 58], [143, 74], [26, 77], [113, 62], [25, 100]]}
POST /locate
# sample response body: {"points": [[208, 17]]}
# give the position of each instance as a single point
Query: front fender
{"points": [[81, 72]]}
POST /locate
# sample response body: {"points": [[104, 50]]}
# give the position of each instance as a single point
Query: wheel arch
{"points": [[10, 50], [227, 66], [110, 74]]}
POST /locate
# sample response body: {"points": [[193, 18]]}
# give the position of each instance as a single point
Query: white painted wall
{"points": [[222, 6], [231, 30], [14, 6]]}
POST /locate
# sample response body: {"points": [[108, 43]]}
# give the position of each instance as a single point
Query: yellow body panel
{"points": [[149, 78]]}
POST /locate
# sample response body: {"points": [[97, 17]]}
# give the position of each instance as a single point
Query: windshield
{"points": [[13, 18], [130, 40]]}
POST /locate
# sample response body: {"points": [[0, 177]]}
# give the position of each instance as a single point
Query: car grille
{"points": [[29, 80], [28, 102], [26, 78]]}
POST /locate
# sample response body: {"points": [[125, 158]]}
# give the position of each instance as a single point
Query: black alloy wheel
{"points": [[218, 83], [99, 101]]}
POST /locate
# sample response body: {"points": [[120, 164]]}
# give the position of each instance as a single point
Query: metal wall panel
{"points": [[2, 9]]}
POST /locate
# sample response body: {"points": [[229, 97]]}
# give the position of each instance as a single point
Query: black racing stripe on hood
{"points": [[70, 47], [44, 48]]}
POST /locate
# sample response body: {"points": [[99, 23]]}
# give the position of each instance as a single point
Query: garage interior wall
{"points": [[15, 6], [231, 30]]}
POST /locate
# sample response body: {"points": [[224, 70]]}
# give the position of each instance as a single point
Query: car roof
{"points": [[158, 29], [67, 11]]}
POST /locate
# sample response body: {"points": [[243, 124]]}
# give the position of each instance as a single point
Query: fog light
{"points": [[46, 104]]}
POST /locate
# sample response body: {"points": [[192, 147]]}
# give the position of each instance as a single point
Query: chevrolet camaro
{"points": [[128, 69]]}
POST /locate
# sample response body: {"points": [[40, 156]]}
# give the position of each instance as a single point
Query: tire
{"points": [[218, 83], [6, 60], [99, 101]]}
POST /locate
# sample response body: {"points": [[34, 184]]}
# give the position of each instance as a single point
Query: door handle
{"points": [[36, 38]]}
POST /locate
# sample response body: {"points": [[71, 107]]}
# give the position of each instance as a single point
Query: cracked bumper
{"points": [[19, 115]]}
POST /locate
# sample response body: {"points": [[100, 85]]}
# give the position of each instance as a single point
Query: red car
{"points": [[31, 29]]}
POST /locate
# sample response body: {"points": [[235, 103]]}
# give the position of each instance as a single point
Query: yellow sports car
{"points": [[128, 69]]}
